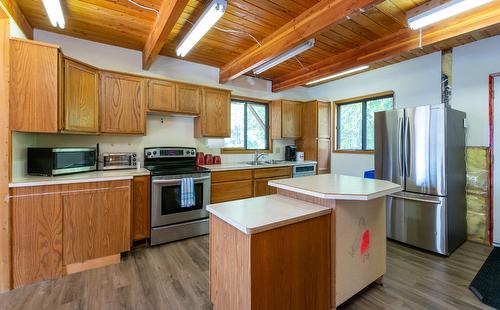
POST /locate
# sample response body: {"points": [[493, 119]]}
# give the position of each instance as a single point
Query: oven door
{"points": [[166, 199]]}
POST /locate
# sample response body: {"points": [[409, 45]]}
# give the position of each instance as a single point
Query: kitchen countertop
{"points": [[336, 186], [255, 215], [243, 165], [92, 176]]}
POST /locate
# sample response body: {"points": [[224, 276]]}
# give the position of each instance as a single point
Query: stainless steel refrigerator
{"points": [[423, 149]]}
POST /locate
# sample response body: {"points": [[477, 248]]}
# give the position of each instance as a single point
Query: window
{"points": [[355, 121], [249, 126]]}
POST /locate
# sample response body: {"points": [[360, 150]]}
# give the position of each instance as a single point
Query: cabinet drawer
{"points": [[273, 172], [232, 175], [231, 191]]}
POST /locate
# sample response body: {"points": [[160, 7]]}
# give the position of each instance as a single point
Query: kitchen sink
{"points": [[264, 162]]}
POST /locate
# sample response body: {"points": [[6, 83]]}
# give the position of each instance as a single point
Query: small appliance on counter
{"points": [[290, 153], [62, 160], [115, 161], [300, 156]]}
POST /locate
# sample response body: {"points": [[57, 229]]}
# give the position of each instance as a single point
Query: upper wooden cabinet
{"points": [[215, 118], [123, 109], [81, 93], [161, 96], [188, 98], [316, 132], [286, 121], [35, 90]]}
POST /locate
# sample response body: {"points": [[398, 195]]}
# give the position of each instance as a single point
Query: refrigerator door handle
{"points": [[407, 148], [400, 148]]}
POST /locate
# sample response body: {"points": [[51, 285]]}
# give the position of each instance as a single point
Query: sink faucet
{"points": [[258, 156]]}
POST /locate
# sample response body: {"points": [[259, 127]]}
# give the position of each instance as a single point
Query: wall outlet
{"points": [[466, 123], [278, 150]]}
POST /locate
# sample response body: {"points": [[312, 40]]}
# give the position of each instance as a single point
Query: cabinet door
{"points": [[216, 113], [122, 104], [324, 154], [291, 113], [228, 191], [96, 222], [80, 97], [37, 239], [34, 86], [324, 122], [276, 119], [261, 188], [141, 208], [188, 98], [161, 96]]}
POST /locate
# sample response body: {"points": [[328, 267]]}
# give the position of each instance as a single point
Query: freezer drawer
{"points": [[418, 220]]}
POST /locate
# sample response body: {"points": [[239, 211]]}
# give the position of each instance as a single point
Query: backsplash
{"points": [[161, 131]]}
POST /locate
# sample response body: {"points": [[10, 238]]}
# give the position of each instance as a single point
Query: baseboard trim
{"points": [[93, 264]]}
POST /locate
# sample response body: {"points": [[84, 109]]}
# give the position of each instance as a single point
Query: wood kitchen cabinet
{"points": [[35, 86], [96, 221], [122, 104], [215, 118], [161, 96], [37, 235], [231, 185], [81, 93], [57, 228], [264, 175], [188, 98], [316, 134], [286, 119], [141, 208]]}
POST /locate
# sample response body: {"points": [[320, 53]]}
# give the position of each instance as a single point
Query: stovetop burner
{"points": [[172, 161]]}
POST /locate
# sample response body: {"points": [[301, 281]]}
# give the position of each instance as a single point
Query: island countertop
{"points": [[336, 186], [255, 215]]}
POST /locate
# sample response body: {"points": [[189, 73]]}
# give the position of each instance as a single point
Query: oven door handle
{"points": [[176, 181]]}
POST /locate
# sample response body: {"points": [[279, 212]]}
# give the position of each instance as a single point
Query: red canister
{"points": [[217, 160], [208, 159], [200, 158]]}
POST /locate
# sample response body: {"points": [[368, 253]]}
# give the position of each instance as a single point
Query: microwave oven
{"points": [[58, 161]]}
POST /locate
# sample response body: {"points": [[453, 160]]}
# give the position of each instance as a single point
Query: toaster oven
{"points": [[114, 161]]}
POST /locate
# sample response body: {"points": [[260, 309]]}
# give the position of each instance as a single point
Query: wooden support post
{"points": [[5, 151]]}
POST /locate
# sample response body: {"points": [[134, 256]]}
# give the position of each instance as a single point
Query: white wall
{"points": [[414, 82], [174, 131], [15, 31]]}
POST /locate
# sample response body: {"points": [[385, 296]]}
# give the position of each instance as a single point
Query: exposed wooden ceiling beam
{"points": [[11, 7], [392, 45], [170, 11], [313, 21]]}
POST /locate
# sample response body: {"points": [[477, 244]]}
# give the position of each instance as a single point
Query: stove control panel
{"points": [[169, 152]]}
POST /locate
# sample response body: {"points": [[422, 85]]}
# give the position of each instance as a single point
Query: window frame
{"points": [[336, 114], [237, 150]]}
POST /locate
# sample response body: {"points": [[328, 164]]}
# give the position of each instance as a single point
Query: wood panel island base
{"points": [[324, 232]]}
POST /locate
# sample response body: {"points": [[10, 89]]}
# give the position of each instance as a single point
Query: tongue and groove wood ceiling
{"points": [[121, 23]]}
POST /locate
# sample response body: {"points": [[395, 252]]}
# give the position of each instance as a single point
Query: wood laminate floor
{"points": [[175, 276]]}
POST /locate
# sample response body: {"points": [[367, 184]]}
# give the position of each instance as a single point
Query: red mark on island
{"points": [[365, 242]]}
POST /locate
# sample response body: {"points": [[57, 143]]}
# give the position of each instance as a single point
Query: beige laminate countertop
{"points": [[242, 166], [93, 176], [336, 186], [259, 214]]}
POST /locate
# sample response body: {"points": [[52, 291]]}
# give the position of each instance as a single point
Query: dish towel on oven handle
{"points": [[187, 193]]}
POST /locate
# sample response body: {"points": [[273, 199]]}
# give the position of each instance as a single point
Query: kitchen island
{"points": [[270, 252]]}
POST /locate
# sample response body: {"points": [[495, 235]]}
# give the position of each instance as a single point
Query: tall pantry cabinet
{"points": [[316, 134]]}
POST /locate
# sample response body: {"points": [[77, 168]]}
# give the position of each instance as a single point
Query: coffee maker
{"points": [[290, 153]]}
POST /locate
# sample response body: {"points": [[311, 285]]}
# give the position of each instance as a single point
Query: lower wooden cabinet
{"points": [[37, 235], [241, 184], [141, 208], [96, 222], [58, 225]]}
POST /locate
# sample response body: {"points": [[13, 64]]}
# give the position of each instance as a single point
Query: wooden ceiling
{"points": [[121, 23]]}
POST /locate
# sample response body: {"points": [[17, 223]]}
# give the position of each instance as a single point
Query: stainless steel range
{"points": [[169, 220]]}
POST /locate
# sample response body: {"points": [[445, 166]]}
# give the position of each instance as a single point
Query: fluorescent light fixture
{"points": [[449, 9], [285, 56], [209, 17], [53, 9], [339, 74]]}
